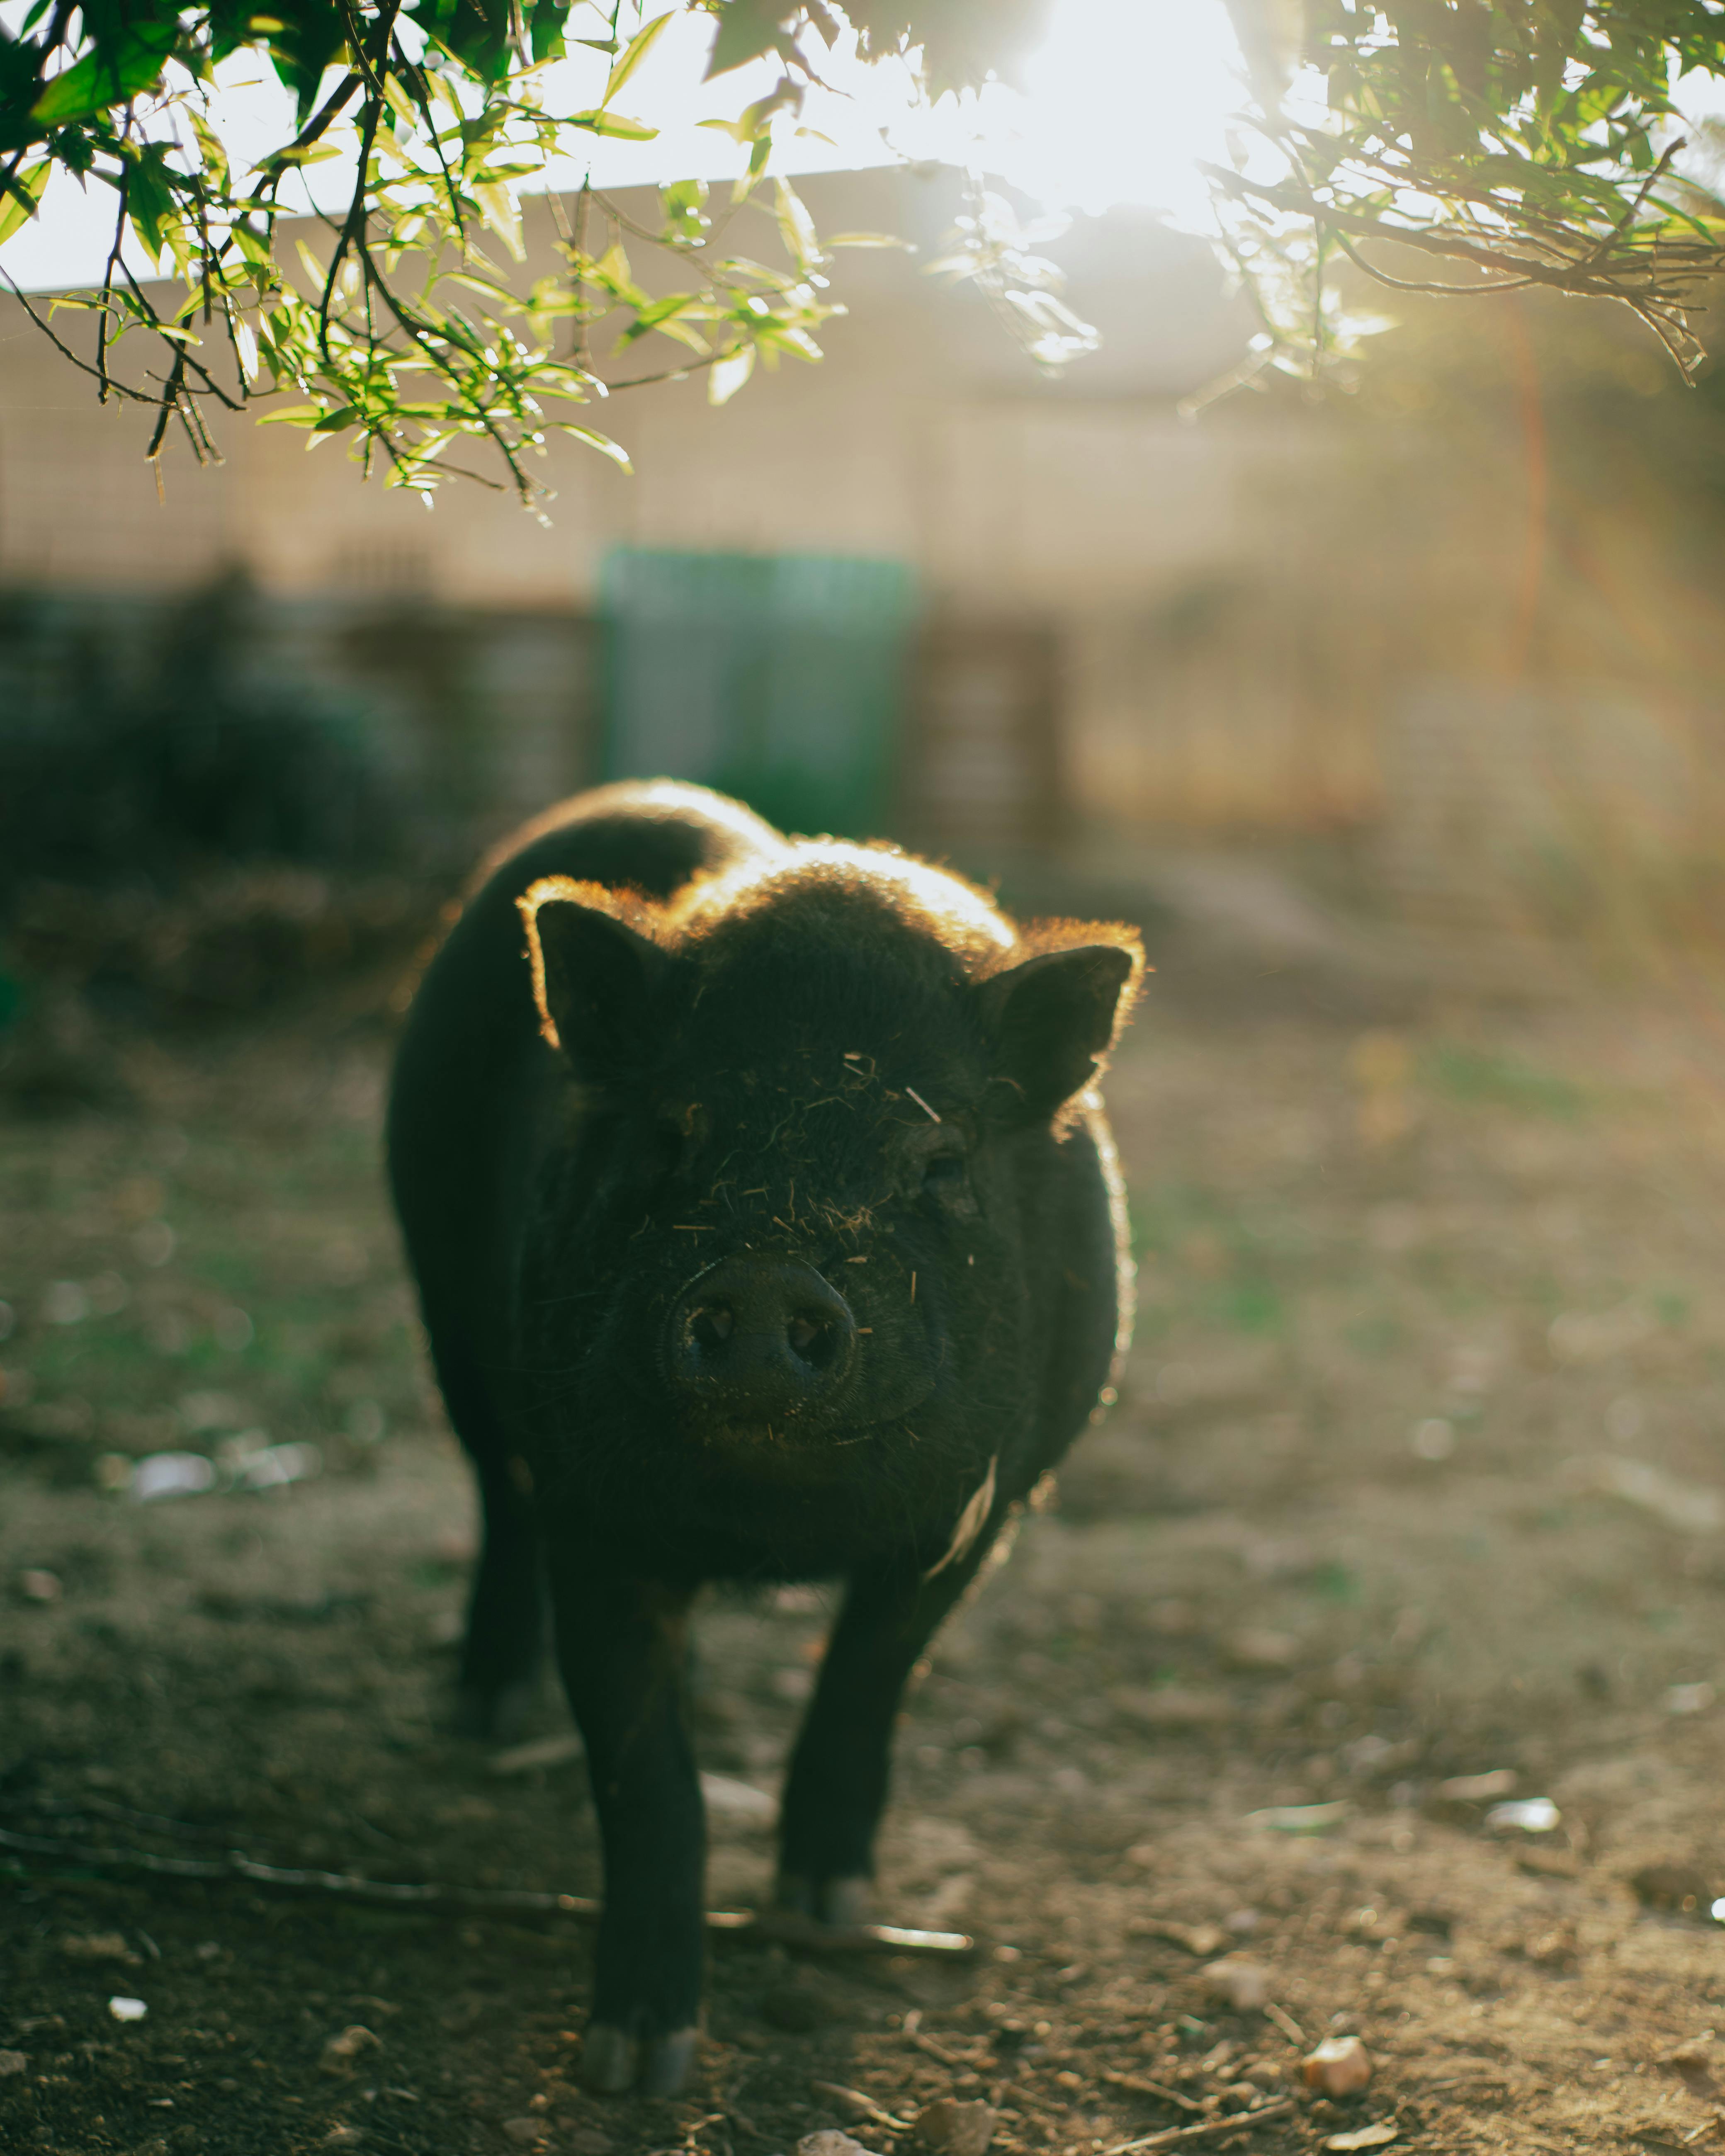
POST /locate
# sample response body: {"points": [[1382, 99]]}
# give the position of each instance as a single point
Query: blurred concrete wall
{"points": [[1070, 510], [1261, 622]]}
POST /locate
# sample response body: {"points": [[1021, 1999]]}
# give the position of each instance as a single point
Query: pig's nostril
{"points": [[814, 1342], [710, 1327]]}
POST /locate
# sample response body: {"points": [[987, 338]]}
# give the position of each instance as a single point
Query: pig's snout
{"points": [[757, 1336]]}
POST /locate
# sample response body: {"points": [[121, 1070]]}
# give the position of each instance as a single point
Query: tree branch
{"points": [[1691, 262], [358, 209], [169, 403], [113, 263], [236, 1868], [116, 388]]}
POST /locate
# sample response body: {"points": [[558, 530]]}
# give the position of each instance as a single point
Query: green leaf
{"points": [[662, 310], [488, 285], [680, 331], [314, 269], [76, 152], [595, 440], [477, 33], [314, 153], [664, 314], [245, 346], [312, 36], [19, 205], [601, 122], [746, 29], [634, 53], [502, 214], [682, 204], [795, 228], [612, 273], [251, 245], [729, 374], [548, 21], [400, 104], [117, 70], [151, 204], [743, 186], [561, 378]]}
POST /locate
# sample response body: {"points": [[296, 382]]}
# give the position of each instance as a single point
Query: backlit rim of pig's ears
{"points": [[1053, 1018], [595, 967]]}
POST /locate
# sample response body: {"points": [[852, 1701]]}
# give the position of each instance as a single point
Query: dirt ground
{"points": [[1416, 1475]]}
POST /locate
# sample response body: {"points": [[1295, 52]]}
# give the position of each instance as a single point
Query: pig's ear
{"points": [[1052, 1019], [594, 974]]}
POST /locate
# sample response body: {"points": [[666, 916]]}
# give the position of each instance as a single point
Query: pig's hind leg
{"points": [[503, 1649], [836, 1789], [503, 1652]]}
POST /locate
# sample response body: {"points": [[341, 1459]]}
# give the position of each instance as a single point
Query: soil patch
{"points": [[1415, 1480]]}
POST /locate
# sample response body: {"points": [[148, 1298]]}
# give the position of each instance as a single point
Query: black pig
{"points": [[767, 1228]]}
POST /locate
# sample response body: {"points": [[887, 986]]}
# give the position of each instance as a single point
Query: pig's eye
{"points": [[943, 1175], [673, 1140], [934, 1168], [665, 1150]]}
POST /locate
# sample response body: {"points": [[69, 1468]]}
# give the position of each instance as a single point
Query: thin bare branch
{"points": [[116, 388], [359, 208], [1687, 263], [1413, 284], [169, 403], [435, 1898], [147, 308], [113, 263]]}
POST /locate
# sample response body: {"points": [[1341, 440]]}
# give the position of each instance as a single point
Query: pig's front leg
{"points": [[836, 1789], [621, 1647]]}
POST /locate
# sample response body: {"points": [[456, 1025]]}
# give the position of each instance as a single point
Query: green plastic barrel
{"points": [[779, 678]]}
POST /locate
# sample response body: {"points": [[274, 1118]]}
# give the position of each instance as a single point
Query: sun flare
{"points": [[1120, 101]]}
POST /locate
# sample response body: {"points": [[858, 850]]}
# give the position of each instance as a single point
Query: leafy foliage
{"points": [[403, 330], [1530, 142]]}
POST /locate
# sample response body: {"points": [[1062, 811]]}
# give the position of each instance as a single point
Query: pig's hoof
{"points": [[609, 2056], [845, 1903], [494, 1714], [669, 2059]]}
